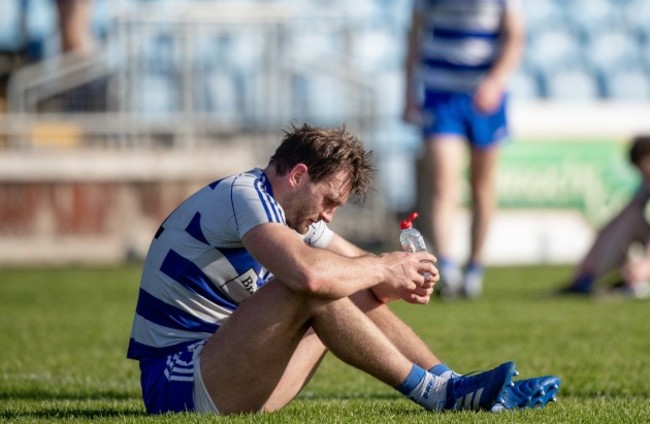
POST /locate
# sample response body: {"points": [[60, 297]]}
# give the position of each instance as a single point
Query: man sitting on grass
{"points": [[245, 288], [623, 243]]}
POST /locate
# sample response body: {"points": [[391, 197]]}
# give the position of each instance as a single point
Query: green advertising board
{"points": [[594, 177]]}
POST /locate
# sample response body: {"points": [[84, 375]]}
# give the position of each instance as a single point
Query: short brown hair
{"points": [[640, 148], [325, 151]]}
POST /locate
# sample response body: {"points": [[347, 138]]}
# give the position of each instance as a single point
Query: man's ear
{"points": [[297, 174]]}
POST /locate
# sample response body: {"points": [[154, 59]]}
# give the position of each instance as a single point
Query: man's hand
{"points": [[488, 96], [411, 277], [412, 114]]}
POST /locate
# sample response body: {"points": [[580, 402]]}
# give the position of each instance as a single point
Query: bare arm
{"points": [[411, 101], [384, 292], [345, 248], [489, 93], [330, 274]]}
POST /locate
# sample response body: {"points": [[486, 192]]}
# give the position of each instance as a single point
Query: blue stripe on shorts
{"points": [[168, 382]]}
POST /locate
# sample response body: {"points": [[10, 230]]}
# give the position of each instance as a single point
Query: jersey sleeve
{"points": [[253, 205]]}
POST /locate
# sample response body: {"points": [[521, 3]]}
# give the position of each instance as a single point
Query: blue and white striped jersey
{"points": [[460, 41], [197, 270]]}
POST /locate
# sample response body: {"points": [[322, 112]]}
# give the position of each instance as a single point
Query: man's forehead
{"points": [[338, 186]]}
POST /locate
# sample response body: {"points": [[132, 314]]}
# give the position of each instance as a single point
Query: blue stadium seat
{"points": [[11, 37], [223, 93], [398, 12], [306, 45], [390, 93], [155, 53], [246, 50], [525, 84], [101, 18], [554, 46], [322, 99], [154, 94], [591, 15], [637, 16], [376, 50], [539, 13], [631, 82], [42, 29], [607, 48], [572, 82]]}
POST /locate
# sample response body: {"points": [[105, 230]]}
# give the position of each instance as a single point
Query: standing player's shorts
{"points": [[455, 113], [174, 384]]}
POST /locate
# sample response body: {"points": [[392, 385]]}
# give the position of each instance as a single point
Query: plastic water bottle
{"points": [[409, 237]]}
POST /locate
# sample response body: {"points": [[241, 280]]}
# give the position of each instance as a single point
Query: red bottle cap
{"points": [[408, 223]]}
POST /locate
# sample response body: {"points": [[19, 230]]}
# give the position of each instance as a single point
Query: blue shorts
{"points": [[168, 382], [454, 113]]}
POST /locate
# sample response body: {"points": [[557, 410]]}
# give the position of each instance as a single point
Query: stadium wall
{"points": [[96, 207]]}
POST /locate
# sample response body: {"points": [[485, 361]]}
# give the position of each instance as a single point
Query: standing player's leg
{"points": [[444, 133], [487, 130], [482, 171], [444, 155]]}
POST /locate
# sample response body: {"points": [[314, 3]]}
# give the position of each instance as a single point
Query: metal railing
{"points": [[195, 77]]}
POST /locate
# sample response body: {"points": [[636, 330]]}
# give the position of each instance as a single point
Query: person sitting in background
{"points": [[623, 243]]}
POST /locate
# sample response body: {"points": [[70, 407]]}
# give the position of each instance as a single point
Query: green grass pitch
{"points": [[64, 331]]}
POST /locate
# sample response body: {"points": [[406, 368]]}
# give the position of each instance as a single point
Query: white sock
{"points": [[431, 392]]}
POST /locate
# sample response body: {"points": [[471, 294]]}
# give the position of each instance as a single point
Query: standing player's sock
{"points": [[443, 371], [473, 282], [424, 388], [451, 277]]}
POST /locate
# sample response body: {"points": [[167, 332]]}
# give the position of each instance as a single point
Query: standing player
{"points": [[462, 54], [245, 288]]}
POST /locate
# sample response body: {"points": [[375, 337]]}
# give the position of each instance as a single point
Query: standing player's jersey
{"points": [[197, 270], [460, 41]]}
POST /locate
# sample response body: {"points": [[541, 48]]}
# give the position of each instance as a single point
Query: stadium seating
{"points": [[153, 94], [590, 49], [589, 17], [610, 46], [541, 13], [550, 48], [525, 84], [572, 82], [10, 25], [629, 83]]}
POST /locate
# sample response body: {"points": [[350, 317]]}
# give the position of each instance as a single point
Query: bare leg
{"points": [[75, 25], [482, 184], [301, 369], [611, 245], [444, 155], [401, 335], [250, 360]]}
